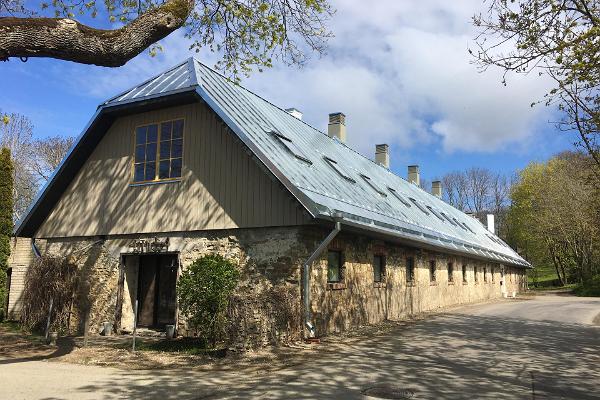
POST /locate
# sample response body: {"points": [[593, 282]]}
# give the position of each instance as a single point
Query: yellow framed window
{"points": [[158, 153]]}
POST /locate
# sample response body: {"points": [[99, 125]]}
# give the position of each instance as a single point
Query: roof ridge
{"points": [[144, 82]]}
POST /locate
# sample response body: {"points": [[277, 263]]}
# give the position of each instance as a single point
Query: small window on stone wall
{"points": [[432, 271], [475, 278], [378, 268], [450, 272], [410, 269], [464, 273], [334, 266]]}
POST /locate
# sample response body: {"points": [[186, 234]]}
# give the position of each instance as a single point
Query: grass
{"points": [[11, 326], [546, 278], [590, 288], [190, 346]]}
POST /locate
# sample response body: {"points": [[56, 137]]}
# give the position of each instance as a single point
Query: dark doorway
{"points": [[156, 290]]}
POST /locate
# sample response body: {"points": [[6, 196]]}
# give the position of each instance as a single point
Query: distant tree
{"points": [[17, 135], [34, 159], [247, 32], [557, 39], [6, 221], [554, 216], [454, 187], [479, 191], [49, 153]]}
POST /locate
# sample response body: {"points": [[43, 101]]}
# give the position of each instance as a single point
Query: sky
{"points": [[399, 70]]}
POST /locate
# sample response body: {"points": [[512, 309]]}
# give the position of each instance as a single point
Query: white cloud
{"points": [[399, 70]]}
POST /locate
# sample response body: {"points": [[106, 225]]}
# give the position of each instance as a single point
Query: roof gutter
{"points": [[306, 269], [420, 241]]}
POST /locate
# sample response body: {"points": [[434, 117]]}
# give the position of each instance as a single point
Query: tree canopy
{"points": [[559, 39], [554, 216], [6, 222], [247, 33]]}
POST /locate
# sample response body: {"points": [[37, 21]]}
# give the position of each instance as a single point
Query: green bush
{"points": [[6, 221], [203, 291], [590, 288]]}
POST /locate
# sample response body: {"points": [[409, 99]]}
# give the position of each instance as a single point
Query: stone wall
{"points": [[266, 307], [358, 300], [264, 310]]}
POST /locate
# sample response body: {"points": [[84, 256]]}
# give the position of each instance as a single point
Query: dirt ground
{"points": [[544, 348]]}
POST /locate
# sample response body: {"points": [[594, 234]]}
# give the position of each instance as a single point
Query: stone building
{"points": [[189, 163]]}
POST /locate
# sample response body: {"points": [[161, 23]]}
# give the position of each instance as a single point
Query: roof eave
{"points": [[421, 241]]}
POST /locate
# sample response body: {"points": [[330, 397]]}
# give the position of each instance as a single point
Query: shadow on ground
{"points": [[445, 357]]}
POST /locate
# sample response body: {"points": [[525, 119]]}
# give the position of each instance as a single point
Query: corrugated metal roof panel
{"points": [[316, 184], [181, 76], [255, 118]]}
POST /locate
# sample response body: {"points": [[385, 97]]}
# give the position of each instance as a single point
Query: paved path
{"points": [[491, 351]]}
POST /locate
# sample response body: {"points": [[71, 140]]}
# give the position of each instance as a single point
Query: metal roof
{"points": [[376, 203]]}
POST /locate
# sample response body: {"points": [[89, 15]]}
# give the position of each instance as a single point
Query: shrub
{"points": [[203, 291], [48, 278], [6, 221], [589, 288]]}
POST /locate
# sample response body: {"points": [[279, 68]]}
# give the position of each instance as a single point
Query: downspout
{"points": [[306, 268], [36, 251]]}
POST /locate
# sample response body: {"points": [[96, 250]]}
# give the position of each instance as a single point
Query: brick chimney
{"points": [[413, 175], [436, 188], [337, 126], [382, 155]]}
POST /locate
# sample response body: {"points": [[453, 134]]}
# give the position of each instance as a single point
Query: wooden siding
{"points": [[221, 187]]}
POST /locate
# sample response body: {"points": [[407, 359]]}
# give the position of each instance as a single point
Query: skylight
{"points": [[468, 227], [458, 223], [435, 213], [375, 187], [396, 195], [448, 219], [338, 168], [416, 203], [292, 147]]}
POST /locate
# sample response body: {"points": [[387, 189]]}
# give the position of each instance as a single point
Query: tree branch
{"points": [[67, 39]]}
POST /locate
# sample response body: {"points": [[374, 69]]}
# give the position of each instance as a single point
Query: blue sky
{"points": [[401, 73]]}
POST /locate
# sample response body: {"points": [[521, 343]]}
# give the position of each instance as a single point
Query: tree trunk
{"points": [[67, 39]]}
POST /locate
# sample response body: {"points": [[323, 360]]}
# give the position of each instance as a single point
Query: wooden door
{"points": [[147, 290]]}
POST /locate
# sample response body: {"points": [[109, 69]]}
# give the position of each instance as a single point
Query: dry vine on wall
{"points": [[49, 279]]}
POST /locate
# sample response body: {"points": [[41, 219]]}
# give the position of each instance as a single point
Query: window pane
{"points": [[165, 131], [165, 150], [176, 168], [152, 135], [150, 171], [138, 174], [333, 266], [410, 269], [178, 128], [163, 170], [140, 135], [139, 153], [377, 268], [177, 148], [151, 152]]}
